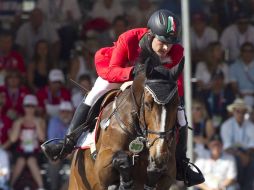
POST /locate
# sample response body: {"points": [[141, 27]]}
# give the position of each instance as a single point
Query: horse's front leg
{"points": [[122, 163], [154, 174]]}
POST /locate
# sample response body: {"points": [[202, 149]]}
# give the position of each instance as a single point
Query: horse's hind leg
{"points": [[122, 163]]}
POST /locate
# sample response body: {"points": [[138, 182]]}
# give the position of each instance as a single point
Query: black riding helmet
{"points": [[165, 25]]}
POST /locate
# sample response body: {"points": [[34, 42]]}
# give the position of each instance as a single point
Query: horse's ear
{"points": [[177, 70], [148, 66], [151, 61]]}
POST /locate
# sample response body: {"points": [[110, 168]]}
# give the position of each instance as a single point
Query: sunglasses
{"points": [[29, 106]]}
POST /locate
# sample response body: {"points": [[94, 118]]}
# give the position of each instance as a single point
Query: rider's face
{"points": [[160, 48]]}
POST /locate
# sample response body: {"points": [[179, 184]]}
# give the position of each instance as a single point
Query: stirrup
{"points": [[189, 164], [67, 138], [45, 144], [62, 154]]}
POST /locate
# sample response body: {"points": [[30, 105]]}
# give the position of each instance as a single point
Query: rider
{"points": [[114, 66]]}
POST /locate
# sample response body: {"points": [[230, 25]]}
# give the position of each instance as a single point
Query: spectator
{"points": [[14, 93], [212, 63], [202, 126], [106, 9], [82, 59], [57, 128], [119, 25], [28, 132], [238, 137], [218, 167], [250, 9], [217, 98], [201, 35], [51, 95], [235, 35], [86, 83], [64, 15], [37, 71], [5, 124], [4, 170], [251, 116], [140, 12], [61, 13], [34, 30], [9, 58], [242, 74], [227, 10], [10, 14], [175, 6]]}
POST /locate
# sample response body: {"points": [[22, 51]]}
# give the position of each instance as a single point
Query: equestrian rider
{"points": [[114, 66]]}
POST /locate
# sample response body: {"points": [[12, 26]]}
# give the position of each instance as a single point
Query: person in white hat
{"points": [[51, 95], [238, 139], [57, 128], [28, 132], [56, 75]]}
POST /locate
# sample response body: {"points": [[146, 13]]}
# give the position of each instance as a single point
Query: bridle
{"points": [[139, 125]]}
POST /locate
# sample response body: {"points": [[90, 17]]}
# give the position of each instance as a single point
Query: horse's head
{"points": [[156, 96]]}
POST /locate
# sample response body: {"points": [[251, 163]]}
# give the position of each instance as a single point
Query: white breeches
{"points": [[100, 87]]}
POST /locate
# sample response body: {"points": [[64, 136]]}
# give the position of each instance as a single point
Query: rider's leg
{"points": [[184, 171], [53, 150]]}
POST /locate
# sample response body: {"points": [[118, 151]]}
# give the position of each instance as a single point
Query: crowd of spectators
{"points": [[44, 43]]}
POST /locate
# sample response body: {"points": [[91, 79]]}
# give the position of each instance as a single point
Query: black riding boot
{"points": [[61, 149], [184, 171]]}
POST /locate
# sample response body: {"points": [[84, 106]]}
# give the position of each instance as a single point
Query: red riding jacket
{"points": [[115, 63]]}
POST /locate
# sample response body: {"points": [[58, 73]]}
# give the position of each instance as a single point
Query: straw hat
{"points": [[240, 104]]}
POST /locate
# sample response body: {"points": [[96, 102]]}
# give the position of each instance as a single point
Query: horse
{"points": [[136, 149]]}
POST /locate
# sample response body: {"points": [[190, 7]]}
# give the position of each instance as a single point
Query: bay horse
{"points": [[137, 148]]}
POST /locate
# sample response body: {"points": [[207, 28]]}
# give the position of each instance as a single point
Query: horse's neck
{"points": [[138, 87]]}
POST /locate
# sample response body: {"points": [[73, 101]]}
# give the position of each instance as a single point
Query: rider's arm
{"points": [[118, 70]]}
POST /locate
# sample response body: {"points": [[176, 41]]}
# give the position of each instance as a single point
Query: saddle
{"points": [[98, 106], [88, 139]]}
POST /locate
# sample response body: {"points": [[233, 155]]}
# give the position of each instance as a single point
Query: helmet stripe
{"points": [[171, 24]]}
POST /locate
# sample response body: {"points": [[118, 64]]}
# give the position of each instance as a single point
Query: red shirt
{"points": [[5, 126], [13, 60], [115, 64], [45, 96], [14, 101]]}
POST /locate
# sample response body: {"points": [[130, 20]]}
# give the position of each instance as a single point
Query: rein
{"points": [[139, 125]]}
